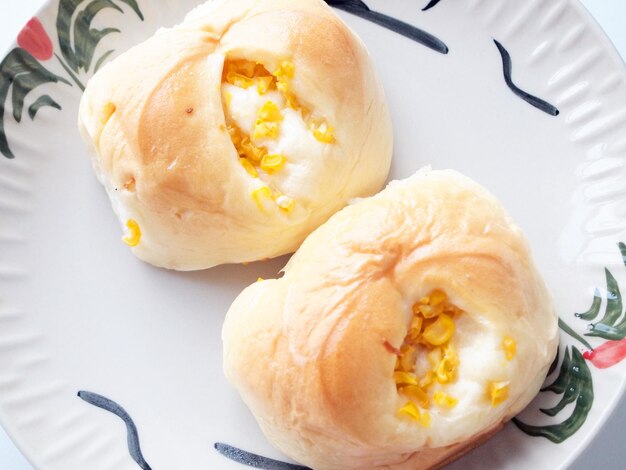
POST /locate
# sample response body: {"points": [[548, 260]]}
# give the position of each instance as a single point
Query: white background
{"points": [[607, 452]]}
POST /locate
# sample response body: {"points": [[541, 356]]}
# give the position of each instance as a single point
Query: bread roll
{"points": [[232, 136], [405, 330]]}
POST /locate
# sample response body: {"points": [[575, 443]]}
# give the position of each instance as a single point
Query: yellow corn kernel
{"points": [[263, 84], [272, 163], [235, 135], [430, 311], [404, 378], [434, 356], [427, 380], [290, 98], [260, 279], [415, 329], [252, 152], [107, 111], [417, 394], [417, 323], [261, 71], [427, 311], [229, 66], [282, 87], [452, 310], [259, 194], [443, 399], [422, 309], [249, 167], [285, 69], [242, 67], [269, 112], [412, 411], [510, 347], [228, 97], [246, 68], [440, 331], [265, 129], [446, 370], [134, 236], [324, 133], [407, 360], [498, 392], [437, 297], [239, 80], [413, 336], [286, 203]]}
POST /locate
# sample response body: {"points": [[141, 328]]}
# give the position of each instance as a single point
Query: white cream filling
{"points": [[304, 154], [482, 360]]}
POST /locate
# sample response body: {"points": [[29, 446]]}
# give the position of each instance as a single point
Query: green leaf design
{"points": [[606, 332], [23, 84], [554, 363], [20, 73], [64, 28], [568, 329], [565, 387], [559, 385], [78, 40], [135, 7], [575, 383], [613, 300], [594, 310], [41, 102], [86, 39], [608, 327]]}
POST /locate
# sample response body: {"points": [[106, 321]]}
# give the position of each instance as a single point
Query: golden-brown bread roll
{"points": [[405, 330], [232, 136]]}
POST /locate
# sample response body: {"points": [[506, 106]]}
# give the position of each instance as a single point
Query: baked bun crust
{"points": [[318, 355], [160, 122]]}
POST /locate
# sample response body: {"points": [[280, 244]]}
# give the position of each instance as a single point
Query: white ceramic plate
{"points": [[79, 313]]}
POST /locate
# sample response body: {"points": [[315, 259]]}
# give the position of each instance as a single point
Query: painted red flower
{"points": [[35, 40], [608, 354]]}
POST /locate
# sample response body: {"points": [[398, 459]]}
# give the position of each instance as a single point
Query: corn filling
{"points": [[272, 163], [134, 233], [430, 332], [443, 399], [261, 194], [498, 392], [510, 347], [412, 411], [107, 111], [252, 156]]}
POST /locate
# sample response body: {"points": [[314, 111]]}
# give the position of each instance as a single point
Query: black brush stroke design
{"points": [[507, 67], [431, 4], [254, 460], [575, 385], [112, 407], [21, 73], [78, 38], [360, 9], [41, 102]]}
